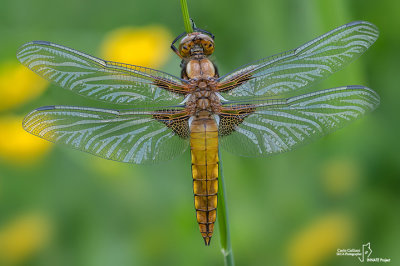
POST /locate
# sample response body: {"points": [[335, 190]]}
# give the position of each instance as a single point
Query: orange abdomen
{"points": [[204, 151]]}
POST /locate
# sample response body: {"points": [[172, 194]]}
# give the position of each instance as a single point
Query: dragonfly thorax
{"points": [[200, 69], [202, 76], [203, 100]]}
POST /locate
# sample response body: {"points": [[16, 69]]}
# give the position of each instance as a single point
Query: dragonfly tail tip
{"points": [[207, 240]]}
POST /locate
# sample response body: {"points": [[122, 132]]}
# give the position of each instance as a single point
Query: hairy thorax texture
{"points": [[202, 77]]}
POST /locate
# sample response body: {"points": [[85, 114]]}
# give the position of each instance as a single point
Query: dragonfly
{"points": [[246, 112]]}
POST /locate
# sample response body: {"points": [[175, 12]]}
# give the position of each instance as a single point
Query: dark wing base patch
{"points": [[177, 121], [232, 117]]}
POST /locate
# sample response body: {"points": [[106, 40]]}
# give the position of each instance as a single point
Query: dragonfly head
{"points": [[196, 43], [200, 42]]}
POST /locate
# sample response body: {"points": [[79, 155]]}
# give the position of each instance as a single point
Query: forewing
{"points": [[286, 72], [281, 125], [125, 136], [99, 79]]}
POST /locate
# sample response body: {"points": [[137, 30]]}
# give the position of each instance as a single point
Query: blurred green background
{"points": [[63, 207]]}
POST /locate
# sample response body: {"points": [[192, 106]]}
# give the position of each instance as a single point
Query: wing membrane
{"points": [[99, 79], [286, 72], [125, 136], [281, 125]]}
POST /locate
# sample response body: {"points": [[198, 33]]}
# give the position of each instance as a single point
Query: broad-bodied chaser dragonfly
{"points": [[239, 112]]}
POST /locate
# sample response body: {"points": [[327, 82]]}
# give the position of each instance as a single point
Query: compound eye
{"points": [[208, 47], [184, 49]]}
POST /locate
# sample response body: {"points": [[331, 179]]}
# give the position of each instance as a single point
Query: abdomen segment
{"points": [[204, 152]]}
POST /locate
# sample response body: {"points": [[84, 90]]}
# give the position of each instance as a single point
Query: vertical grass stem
{"points": [[223, 221], [186, 18]]}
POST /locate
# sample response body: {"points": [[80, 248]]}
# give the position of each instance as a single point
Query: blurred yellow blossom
{"points": [[16, 144], [319, 241], [340, 176], [18, 85], [145, 46], [23, 237]]}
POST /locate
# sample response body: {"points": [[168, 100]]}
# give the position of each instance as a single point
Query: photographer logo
{"points": [[363, 254]]}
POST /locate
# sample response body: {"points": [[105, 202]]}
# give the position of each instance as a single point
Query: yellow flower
{"points": [[145, 46], [18, 85], [22, 238], [320, 240], [340, 176], [16, 144]]}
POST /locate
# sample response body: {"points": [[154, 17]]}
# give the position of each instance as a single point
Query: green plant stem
{"points": [[223, 221], [186, 18]]}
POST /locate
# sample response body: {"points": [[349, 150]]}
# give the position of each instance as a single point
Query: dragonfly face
{"points": [[244, 112], [196, 43]]}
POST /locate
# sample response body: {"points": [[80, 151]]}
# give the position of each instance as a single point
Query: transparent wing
{"points": [[286, 72], [125, 136], [277, 126], [99, 79]]}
